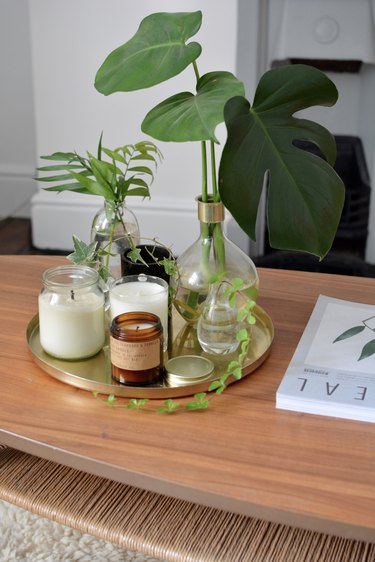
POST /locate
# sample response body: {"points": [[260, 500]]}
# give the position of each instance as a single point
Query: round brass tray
{"points": [[95, 373]]}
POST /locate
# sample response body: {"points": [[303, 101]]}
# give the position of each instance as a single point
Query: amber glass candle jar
{"points": [[136, 344]]}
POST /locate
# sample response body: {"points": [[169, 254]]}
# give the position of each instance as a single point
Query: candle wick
{"points": [[72, 294], [137, 328]]}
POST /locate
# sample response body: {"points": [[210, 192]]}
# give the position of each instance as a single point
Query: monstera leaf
{"points": [[305, 196], [189, 117], [155, 53]]}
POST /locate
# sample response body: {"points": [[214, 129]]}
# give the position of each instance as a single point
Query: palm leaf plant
{"points": [[116, 174]]}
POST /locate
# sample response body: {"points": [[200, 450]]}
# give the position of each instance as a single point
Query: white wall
{"points": [[70, 40], [17, 132]]}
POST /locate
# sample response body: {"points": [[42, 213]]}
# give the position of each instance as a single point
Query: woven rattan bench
{"points": [[157, 525]]}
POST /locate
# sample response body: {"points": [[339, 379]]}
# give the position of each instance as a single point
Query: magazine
{"points": [[332, 371]]}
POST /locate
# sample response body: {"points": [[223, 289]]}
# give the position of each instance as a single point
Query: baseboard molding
{"points": [[56, 217], [17, 188]]}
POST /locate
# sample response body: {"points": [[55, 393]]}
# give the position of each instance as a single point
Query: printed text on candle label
{"points": [[135, 356]]}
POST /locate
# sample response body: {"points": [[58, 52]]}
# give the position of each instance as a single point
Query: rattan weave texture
{"points": [[160, 526]]}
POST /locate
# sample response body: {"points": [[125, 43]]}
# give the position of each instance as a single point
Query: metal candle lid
{"points": [[188, 369]]}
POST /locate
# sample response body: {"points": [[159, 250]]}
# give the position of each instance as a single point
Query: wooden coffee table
{"points": [[242, 455]]}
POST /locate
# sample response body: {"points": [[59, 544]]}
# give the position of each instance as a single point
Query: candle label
{"points": [[135, 356]]}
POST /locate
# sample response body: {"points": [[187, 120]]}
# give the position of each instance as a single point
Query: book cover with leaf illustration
{"points": [[332, 371]]}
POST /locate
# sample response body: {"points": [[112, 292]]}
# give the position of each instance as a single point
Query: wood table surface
{"points": [[241, 455]]}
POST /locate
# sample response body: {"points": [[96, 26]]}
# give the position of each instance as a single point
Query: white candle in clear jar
{"points": [[141, 296], [71, 312]]}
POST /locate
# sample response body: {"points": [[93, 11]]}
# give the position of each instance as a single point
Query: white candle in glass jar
{"points": [[71, 313], [141, 296]]}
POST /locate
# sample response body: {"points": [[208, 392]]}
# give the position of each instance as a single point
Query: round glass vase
{"points": [[114, 228], [211, 256]]}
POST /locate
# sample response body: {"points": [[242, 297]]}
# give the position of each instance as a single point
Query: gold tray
{"points": [[95, 373]]}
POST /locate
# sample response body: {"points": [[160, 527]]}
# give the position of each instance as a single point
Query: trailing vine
{"points": [[201, 400]]}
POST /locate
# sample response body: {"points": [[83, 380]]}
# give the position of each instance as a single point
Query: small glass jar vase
{"points": [[71, 312], [114, 228], [211, 255], [218, 325]]}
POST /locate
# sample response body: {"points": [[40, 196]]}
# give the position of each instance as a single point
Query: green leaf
{"points": [[104, 273], [188, 117], [242, 314], [104, 172], [214, 385], [232, 365], [142, 170], [350, 333], [93, 187], [62, 177], [62, 167], [237, 283], [100, 146], [251, 319], [260, 144], [60, 156], [138, 192], [155, 53], [171, 404], [368, 350], [114, 154], [197, 405], [237, 373], [135, 256], [200, 396], [221, 389], [83, 252], [242, 335], [73, 186]]}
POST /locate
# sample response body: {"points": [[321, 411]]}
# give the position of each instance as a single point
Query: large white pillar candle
{"points": [[71, 313], [141, 293]]}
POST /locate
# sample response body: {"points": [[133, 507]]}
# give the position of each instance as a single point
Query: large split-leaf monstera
{"points": [[305, 195]]}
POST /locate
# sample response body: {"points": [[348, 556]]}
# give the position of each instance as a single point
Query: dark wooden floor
{"points": [[15, 238]]}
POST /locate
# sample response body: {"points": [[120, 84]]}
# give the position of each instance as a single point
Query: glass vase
{"points": [[211, 256], [218, 325], [114, 228]]}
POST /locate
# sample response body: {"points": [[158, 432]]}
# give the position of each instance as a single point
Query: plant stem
{"points": [[215, 191], [204, 172], [196, 72], [219, 247]]}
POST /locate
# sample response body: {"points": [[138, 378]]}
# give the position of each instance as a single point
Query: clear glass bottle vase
{"points": [[211, 256], [114, 228], [218, 323]]}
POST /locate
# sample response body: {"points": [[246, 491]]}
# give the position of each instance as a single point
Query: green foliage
{"points": [[305, 196], [157, 51], [260, 139], [92, 254], [135, 404], [89, 254], [188, 117], [368, 350], [114, 178], [350, 333]]}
